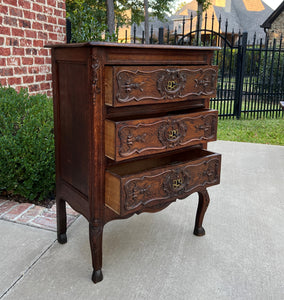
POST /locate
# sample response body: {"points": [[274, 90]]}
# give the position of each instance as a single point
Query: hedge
{"points": [[27, 160]]}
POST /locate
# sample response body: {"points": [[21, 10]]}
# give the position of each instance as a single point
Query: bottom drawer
{"points": [[131, 186]]}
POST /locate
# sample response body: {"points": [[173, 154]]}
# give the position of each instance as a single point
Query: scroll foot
{"points": [[61, 220], [199, 231], [97, 276], [62, 238], [96, 235]]}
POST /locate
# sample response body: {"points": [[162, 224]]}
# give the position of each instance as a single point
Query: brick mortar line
{"points": [[3, 202], [30, 9], [72, 217], [4, 213], [38, 226], [30, 222], [30, 207], [37, 30], [30, 225]]}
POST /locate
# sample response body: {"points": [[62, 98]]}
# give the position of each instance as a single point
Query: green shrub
{"points": [[27, 163], [88, 21]]}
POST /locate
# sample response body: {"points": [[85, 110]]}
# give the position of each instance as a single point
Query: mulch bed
{"points": [[48, 203]]}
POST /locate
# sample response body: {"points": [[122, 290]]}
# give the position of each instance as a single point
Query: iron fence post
{"points": [[134, 37], [68, 31], [240, 75], [161, 35]]}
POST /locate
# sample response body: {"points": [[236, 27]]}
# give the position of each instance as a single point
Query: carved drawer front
{"points": [[127, 139], [148, 85], [131, 187]]}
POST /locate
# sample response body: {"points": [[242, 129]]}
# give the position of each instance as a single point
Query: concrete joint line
{"points": [[26, 271]]}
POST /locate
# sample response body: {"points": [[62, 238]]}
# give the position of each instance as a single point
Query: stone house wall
{"points": [[277, 27]]}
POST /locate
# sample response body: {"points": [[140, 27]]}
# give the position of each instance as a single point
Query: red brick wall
{"points": [[25, 27]]}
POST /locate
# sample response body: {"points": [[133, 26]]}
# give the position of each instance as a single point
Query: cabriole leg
{"points": [[61, 221], [96, 236], [202, 207]]}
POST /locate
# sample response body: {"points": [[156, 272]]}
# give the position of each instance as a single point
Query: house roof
{"points": [[267, 23], [244, 15]]}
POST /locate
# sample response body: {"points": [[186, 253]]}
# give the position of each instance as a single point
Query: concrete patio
{"points": [[156, 256]]}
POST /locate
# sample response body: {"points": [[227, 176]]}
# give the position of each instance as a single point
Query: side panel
{"points": [[73, 125]]}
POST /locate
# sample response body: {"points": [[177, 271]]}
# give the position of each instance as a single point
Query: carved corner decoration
{"points": [[209, 126], [126, 85], [211, 171], [164, 84], [137, 193], [170, 184], [95, 84], [96, 227], [95, 232], [130, 139]]}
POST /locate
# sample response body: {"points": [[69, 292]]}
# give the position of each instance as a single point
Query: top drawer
{"points": [[135, 85]]}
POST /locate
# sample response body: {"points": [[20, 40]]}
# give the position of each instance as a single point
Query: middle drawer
{"points": [[133, 138]]}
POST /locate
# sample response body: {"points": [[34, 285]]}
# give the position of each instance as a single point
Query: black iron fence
{"points": [[251, 73], [251, 79]]}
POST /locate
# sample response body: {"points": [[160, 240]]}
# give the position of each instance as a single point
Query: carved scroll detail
{"points": [[209, 126], [211, 171], [170, 183], [164, 84], [95, 67], [126, 86], [135, 193], [129, 139], [160, 134]]}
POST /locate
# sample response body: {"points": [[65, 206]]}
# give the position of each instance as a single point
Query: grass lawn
{"points": [[263, 131]]}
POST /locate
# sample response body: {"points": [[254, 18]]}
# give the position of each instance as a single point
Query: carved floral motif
{"points": [[209, 126], [172, 133], [136, 193], [95, 67], [129, 139], [171, 183], [171, 83], [126, 86], [211, 171], [159, 84], [160, 134]]}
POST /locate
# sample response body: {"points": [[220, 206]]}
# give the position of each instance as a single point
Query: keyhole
{"points": [[171, 85], [173, 134], [177, 183]]}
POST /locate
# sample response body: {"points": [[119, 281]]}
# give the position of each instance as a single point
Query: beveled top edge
{"points": [[123, 45]]}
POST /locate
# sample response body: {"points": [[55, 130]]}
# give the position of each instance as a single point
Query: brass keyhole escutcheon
{"points": [[177, 183], [172, 85], [173, 134]]}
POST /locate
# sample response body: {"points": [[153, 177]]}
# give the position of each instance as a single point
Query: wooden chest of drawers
{"points": [[132, 124]]}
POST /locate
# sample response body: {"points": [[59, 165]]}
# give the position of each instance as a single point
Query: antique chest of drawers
{"points": [[132, 124]]}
